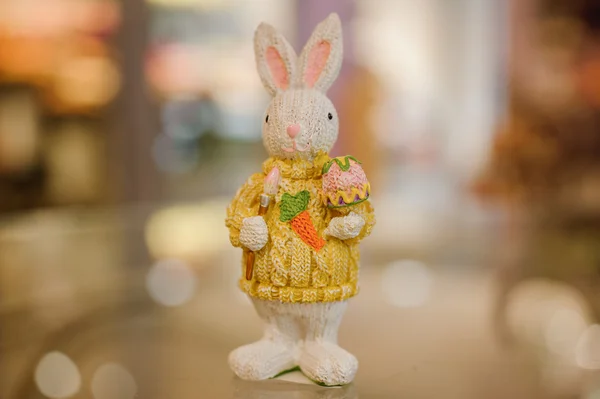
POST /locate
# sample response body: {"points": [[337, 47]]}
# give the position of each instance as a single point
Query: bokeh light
{"points": [[178, 69], [563, 331], [57, 376], [113, 381], [547, 314], [588, 348], [171, 282], [187, 231], [98, 75], [173, 156], [407, 283], [593, 393]]}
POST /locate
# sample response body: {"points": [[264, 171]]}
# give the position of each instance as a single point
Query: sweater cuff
{"points": [[234, 230]]}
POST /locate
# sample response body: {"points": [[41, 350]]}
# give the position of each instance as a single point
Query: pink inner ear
{"points": [[277, 67], [317, 59]]}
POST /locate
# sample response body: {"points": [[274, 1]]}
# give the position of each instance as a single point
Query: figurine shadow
{"points": [[293, 384]]}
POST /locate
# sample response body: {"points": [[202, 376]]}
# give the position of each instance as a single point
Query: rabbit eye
{"points": [[267, 119], [330, 116]]}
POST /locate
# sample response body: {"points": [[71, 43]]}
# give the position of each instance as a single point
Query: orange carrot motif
{"points": [[293, 209]]}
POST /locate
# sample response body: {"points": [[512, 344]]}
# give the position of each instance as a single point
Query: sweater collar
{"points": [[297, 168]]}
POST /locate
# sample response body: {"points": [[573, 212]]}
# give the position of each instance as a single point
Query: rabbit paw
{"points": [[345, 227], [254, 233]]}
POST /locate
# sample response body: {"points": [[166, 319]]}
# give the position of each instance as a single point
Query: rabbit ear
{"points": [[321, 58], [275, 59]]}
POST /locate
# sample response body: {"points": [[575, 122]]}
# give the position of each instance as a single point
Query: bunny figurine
{"points": [[306, 244]]}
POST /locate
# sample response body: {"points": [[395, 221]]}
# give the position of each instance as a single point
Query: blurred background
{"points": [[127, 126]]}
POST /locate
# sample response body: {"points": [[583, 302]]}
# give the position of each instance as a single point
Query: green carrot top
{"points": [[292, 205]]}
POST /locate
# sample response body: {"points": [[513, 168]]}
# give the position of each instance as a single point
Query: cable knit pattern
{"points": [[279, 256], [245, 205], [295, 272]]}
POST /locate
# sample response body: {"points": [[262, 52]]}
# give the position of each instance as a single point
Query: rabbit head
{"points": [[300, 121]]}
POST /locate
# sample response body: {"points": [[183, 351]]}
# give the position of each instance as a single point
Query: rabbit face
{"points": [[299, 124], [300, 120]]}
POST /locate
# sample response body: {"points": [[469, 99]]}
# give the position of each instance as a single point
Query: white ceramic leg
{"points": [[276, 351], [321, 359]]}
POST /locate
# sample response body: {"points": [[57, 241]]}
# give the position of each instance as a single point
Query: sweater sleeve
{"points": [[244, 204]]}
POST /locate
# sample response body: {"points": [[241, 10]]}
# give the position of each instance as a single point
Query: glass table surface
{"points": [[143, 302]]}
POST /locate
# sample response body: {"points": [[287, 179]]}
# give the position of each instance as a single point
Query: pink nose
{"points": [[293, 130]]}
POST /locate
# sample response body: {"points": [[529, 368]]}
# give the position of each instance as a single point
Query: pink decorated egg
{"points": [[344, 182]]}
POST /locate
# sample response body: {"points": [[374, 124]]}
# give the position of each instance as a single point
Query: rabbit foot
{"points": [[261, 360], [328, 364]]}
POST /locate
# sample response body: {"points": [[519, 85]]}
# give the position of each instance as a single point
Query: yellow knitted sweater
{"points": [[286, 268]]}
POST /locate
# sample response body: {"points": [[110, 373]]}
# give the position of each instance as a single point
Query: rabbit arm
{"points": [[364, 210], [244, 205]]}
